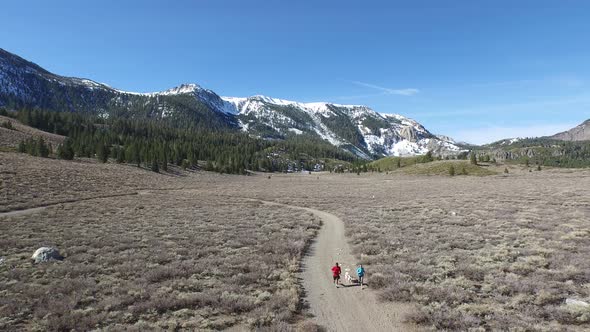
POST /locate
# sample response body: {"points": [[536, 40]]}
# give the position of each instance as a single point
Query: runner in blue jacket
{"points": [[360, 272]]}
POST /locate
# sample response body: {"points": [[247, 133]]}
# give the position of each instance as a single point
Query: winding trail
{"points": [[40, 207], [343, 308]]}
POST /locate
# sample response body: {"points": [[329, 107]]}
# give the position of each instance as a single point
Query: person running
{"points": [[360, 272], [336, 274]]}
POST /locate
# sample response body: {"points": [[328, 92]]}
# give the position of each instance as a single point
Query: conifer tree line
{"points": [[156, 144], [35, 147]]}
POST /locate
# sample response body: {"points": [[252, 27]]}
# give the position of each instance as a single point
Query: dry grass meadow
{"points": [[193, 250]]}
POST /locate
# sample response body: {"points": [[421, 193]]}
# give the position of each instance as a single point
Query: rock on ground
{"points": [[576, 302], [46, 254]]}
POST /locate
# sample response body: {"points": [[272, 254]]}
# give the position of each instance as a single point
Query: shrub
{"points": [[7, 125]]}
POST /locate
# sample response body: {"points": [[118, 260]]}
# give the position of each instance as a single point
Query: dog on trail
{"points": [[349, 279]]}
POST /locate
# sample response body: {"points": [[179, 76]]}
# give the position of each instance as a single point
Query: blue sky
{"points": [[477, 71]]}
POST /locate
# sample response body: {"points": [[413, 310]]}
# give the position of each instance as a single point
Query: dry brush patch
{"points": [[491, 253], [494, 253], [162, 260], [499, 254], [27, 181]]}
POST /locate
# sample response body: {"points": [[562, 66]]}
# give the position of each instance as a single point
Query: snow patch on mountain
{"points": [[397, 135]]}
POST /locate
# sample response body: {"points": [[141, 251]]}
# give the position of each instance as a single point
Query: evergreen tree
{"points": [[65, 151], [473, 158], [155, 167], [102, 152], [137, 155], [165, 160], [463, 170], [31, 147], [22, 147], [43, 150], [120, 155]]}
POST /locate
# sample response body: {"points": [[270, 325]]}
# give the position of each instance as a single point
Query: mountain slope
{"points": [[578, 133], [355, 128], [24, 84]]}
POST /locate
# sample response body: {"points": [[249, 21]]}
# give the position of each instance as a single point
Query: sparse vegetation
{"points": [[473, 253], [393, 163], [160, 260], [502, 257], [542, 151], [442, 168], [7, 125]]}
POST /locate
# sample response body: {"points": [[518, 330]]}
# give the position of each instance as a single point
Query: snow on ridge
{"points": [[508, 141], [183, 88], [445, 138], [314, 106], [390, 140]]}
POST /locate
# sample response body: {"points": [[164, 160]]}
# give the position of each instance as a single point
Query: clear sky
{"points": [[477, 71]]}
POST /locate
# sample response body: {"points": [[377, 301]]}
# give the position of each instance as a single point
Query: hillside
{"points": [[12, 132], [543, 150], [423, 165], [355, 128], [578, 133]]}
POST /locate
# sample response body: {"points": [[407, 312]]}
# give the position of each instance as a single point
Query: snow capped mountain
{"points": [[356, 128]]}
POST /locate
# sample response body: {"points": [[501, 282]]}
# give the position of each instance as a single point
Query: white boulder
{"points": [[577, 302], [46, 254]]}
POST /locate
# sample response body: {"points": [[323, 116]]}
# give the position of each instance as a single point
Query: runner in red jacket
{"points": [[336, 274]]}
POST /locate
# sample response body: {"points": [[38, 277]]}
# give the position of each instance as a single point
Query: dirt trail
{"points": [[67, 201], [343, 308]]}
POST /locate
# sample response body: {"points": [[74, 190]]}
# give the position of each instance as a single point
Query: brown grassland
{"points": [[198, 250]]}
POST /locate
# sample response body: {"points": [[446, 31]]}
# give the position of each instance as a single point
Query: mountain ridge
{"points": [[579, 133], [356, 128]]}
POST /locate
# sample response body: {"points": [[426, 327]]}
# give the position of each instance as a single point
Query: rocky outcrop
{"points": [[579, 133], [409, 133]]}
